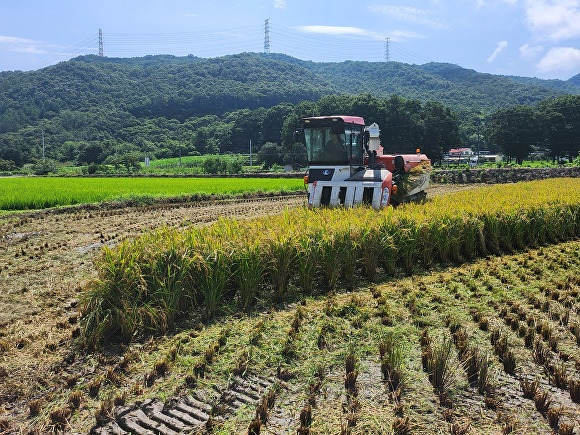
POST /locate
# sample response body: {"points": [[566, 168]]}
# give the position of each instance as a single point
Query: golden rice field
{"points": [[147, 284], [460, 316], [484, 348]]}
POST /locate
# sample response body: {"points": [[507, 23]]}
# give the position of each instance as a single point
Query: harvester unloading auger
{"points": [[347, 166]]}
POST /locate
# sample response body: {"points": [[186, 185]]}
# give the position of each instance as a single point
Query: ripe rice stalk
{"points": [[492, 232], [442, 240], [371, 252], [307, 261], [250, 267], [169, 290], [389, 250], [352, 254], [132, 295], [537, 231], [407, 244], [472, 230], [331, 249], [282, 252], [426, 243], [212, 273]]}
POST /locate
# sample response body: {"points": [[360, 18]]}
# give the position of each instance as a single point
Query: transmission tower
{"points": [[387, 50], [101, 53], [267, 35]]}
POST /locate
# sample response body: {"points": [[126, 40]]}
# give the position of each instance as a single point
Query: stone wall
{"points": [[501, 175]]}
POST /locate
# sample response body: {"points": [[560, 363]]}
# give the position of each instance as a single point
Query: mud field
{"points": [[48, 384]]}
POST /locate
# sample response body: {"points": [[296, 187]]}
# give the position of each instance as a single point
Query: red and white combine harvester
{"points": [[347, 166]]}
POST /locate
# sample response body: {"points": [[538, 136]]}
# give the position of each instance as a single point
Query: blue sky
{"points": [[534, 38]]}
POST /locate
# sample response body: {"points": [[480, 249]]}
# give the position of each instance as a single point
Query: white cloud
{"points": [[410, 15], [21, 45], [341, 30], [560, 59], [530, 53], [500, 47], [280, 4], [554, 19], [482, 3], [401, 35]]}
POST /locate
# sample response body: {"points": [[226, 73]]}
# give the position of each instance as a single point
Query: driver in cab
{"points": [[334, 148]]}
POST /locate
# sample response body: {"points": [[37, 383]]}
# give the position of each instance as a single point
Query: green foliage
{"points": [[44, 167], [221, 165], [271, 154], [513, 130], [89, 106]]}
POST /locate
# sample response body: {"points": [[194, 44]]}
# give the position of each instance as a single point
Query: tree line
{"points": [[406, 124], [93, 110]]}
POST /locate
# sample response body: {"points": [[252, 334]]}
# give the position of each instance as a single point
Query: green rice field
{"points": [[27, 193]]}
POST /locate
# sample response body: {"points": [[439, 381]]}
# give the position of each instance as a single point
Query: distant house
{"points": [[458, 155]]}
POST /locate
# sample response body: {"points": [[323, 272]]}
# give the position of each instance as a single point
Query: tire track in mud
{"points": [[190, 414]]}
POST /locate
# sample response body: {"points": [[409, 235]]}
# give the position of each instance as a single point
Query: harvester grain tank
{"points": [[347, 166]]}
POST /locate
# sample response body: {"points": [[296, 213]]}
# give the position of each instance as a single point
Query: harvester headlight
{"points": [[394, 189]]}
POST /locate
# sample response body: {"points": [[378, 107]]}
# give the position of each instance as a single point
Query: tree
{"points": [[12, 154], [560, 120], [440, 130], [270, 154], [402, 130], [513, 131], [91, 152]]}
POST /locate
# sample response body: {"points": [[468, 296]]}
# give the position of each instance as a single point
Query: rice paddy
{"points": [[31, 193], [146, 284], [457, 316]]}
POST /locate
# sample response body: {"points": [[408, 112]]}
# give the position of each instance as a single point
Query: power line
{"points": [[249, 38], [86, 46]]}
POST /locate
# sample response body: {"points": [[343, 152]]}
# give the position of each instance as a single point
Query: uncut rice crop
{"points": [[26, 193], [202, 265]]}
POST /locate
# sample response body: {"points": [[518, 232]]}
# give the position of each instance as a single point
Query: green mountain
{"points": [[100, 106]]}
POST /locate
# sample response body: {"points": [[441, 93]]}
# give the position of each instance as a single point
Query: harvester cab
{"points": [[347, 167]]}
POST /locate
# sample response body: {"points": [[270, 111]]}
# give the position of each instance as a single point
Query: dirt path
{"points": [[45, 260]]}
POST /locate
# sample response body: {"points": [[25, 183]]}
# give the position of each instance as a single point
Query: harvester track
{"points": [[185, 415]]}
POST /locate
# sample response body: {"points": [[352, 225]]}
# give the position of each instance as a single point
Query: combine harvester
{"points": [[347, 166]]}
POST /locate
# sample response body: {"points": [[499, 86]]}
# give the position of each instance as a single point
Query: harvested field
{"points": [[299, 350]]}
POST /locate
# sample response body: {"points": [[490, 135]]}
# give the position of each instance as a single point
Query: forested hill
{"points": [[181, 87], [93, 106], [457, 87]]}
